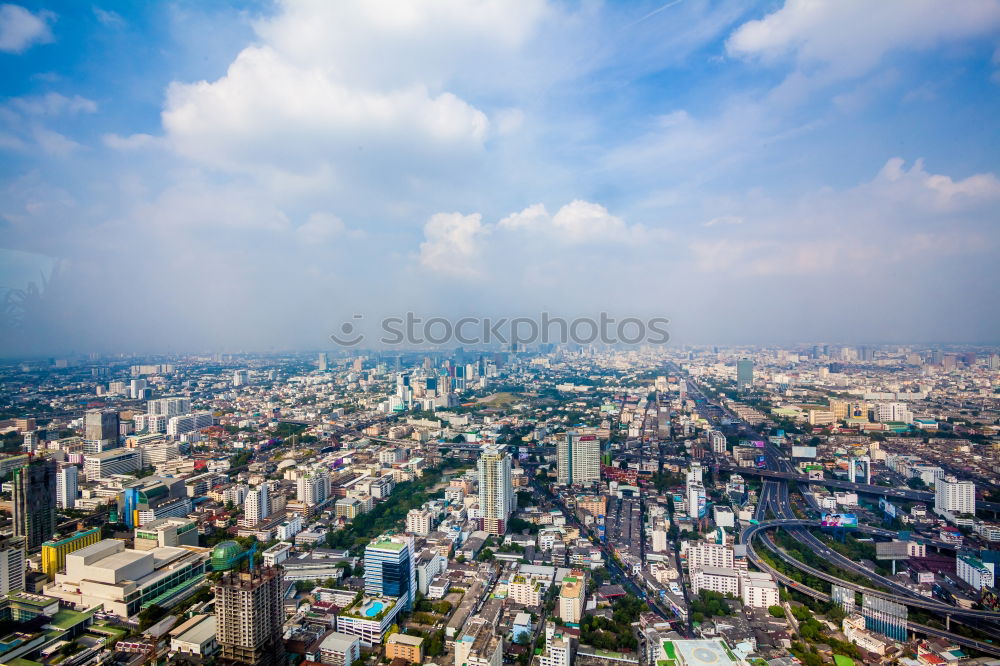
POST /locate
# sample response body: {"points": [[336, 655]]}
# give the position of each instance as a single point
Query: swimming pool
{"points": [[373, 609]]}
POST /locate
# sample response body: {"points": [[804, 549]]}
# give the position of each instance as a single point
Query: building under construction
{"points": [[249, 617]]}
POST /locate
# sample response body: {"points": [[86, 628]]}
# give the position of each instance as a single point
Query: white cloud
{"points": [[20, 29], [193, 203], [724, 220], [321, 228], [111, 19], [848, 38], [453, 244], [901, 215], [329, 85], [53, 104], [268, 111], [457, 244], [131, 142], [54, 143]]}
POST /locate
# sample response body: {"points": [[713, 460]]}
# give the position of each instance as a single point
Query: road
{"points": [[774, 497]]}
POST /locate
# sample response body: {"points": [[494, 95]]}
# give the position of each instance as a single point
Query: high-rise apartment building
{"points": [[558, 647], [257, 506], [419, 521], [321, 363], [954, 496], [496, 490], [704, 554], [248, 618], [578, 459], [313, 487], [390, 569], [744, 374], [35, 502], [169, 406], [184, 423], [66, 486]]}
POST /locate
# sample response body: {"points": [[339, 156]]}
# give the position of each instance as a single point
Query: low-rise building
{"points": [[404, 646], [338, 649]]}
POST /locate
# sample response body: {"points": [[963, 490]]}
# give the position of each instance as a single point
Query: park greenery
{"points": [[708, 604], [613, 633], [389, 514]]}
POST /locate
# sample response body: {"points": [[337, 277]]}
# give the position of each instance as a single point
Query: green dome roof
{"points": [[225, 555]]}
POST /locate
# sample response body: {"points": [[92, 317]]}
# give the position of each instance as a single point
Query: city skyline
{"points": [[251, 175]]}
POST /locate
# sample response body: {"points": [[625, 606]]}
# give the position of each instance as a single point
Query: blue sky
{"points": [[213, 176]]}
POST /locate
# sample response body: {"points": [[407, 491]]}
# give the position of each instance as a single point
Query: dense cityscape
{"points": [[500, 333], [553, 507]]}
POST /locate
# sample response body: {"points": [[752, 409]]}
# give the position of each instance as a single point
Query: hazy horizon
{"points": [[249, 176]]}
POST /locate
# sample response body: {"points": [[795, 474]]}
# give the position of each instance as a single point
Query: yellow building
{"points": [[403, 646], [592, 504], [839, 409], [54, 552]]}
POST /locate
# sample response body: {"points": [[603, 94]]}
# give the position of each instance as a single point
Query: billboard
{"points": [[888, 507], [839, 520], [803, 451], [758, 443], [892, 550], [761, 461]]}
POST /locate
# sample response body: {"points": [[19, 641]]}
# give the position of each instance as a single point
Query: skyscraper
{"points": [[35, 502], [66, 486], [390, 569], [744, 374], [578, 459], [496, 490], [321, 363], [248, 618], [100, 430]]}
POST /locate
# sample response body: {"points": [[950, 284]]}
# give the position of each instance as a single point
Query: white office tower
{"points": [[694, 475], [257, 506], [496, 490], [66, 486], [12, 565], [241, 377], [954, 496], [313, 487], [321, 362], [169, 406], [578, 459]]}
